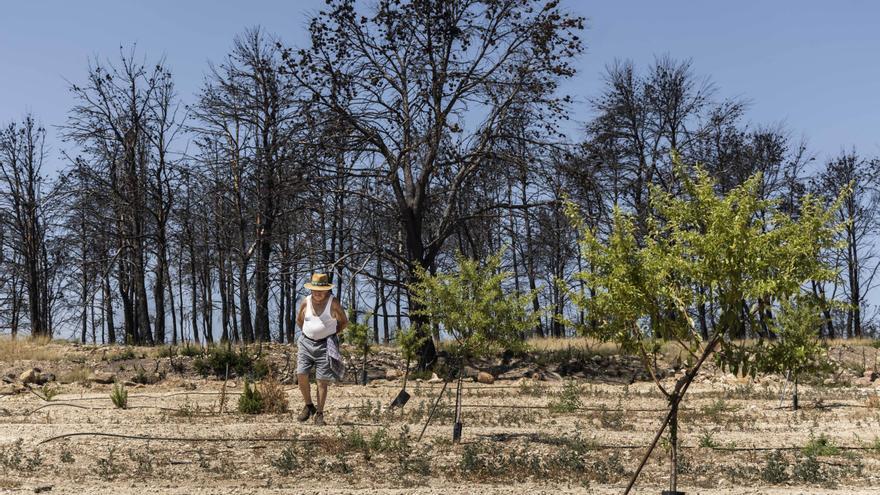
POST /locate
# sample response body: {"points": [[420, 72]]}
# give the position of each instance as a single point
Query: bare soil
{"points": [[520, 435]]}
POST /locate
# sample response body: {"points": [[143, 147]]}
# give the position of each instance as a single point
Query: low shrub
{"points": [[820, 446], [274, 396], [241, 363], [251, 400], [568, 400], [775, 468]]}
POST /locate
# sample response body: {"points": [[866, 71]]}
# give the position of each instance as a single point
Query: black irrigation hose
{"points": [[177, 439], [317, 439], [197, 439], [54, 404], [620, 409]]}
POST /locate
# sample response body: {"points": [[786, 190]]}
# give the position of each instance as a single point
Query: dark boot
{"points": [[307, 412]]}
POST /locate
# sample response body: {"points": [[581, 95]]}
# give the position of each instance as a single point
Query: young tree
{"points": [[796, 350], [739, 246], [474, 308]]}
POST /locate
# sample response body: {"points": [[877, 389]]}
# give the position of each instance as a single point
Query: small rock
{"points": [[102, 377], [487, 378], [392, 374], [862, 382], [29, 376], [42, 488], [434, 378], [8, 390], [551, 376], [44, 378], [470, 372]]}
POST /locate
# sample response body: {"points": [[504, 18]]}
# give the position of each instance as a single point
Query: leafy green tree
{"points": [[796, 350], [473, 308], [739, 246]]}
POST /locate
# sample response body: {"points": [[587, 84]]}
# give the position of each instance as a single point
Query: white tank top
{"points": [[318, 327]]}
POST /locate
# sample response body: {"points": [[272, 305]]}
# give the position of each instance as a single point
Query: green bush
{"points": [[241, 363], [251, 400]]}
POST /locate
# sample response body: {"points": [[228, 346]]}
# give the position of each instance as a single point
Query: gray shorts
{"points": [[311, 354]]}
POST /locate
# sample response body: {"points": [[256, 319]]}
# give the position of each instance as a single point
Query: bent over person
{"points": [[321, 319]]}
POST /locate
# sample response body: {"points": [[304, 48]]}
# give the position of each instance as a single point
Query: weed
{"points": [[609, 469], [287, 462], [808, 470], [614, 419], [143, 462], [48, 392], [106, 467], [119, 396], [532, 388], [775, 468], [66, 455], [204, 461], [141, 376], [707, 440], [820, 446], [410, 460], [717, 409], [13, 457], [188, 409], [568, 400], [251, 400]]}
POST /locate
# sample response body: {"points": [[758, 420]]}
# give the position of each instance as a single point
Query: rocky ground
{"points": [[528, 427]]}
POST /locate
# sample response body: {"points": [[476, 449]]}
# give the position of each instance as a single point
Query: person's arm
{"points": [[341, 318], [301, 316]]}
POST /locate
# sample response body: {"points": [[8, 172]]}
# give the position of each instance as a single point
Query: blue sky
{"points": [[809, 65]]}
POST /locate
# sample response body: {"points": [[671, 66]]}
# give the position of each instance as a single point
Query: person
{"points": [[321, 319]]}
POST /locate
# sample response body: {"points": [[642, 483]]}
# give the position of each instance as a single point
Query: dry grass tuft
{"points": [[29, 349], [593, 346], [76, 375], [274, 395]]}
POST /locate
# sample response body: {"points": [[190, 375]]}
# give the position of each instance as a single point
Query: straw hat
{"points": [[320, 281]]}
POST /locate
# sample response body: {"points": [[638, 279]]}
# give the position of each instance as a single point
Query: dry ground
{"points": [[519, 436]]}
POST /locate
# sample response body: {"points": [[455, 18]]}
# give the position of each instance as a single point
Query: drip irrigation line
{"points": [[178, 439], [491, 437], [65, 404], [615, 409]]}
